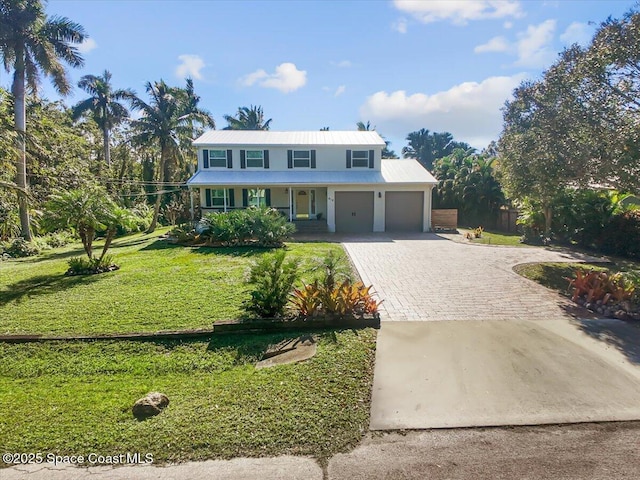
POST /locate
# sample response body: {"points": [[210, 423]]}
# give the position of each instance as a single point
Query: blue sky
{"points": [[402, 65]]}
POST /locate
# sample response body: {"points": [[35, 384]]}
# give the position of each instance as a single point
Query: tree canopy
{"points": [[248, 118]]}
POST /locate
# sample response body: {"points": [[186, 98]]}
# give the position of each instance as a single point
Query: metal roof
{"points": [[272, 138], [393, 172]]}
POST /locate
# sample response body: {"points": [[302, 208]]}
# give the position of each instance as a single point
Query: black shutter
{"points": [[205, 158], [229, 158], [266, 159], [243, 159], [371, 158], [267, 196], [313, 159], [348, 158], [245, 197], [289, 158], [232, 198], [207, 194]]}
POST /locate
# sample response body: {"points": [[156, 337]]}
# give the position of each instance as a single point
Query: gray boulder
{"points": [[150, 405]]}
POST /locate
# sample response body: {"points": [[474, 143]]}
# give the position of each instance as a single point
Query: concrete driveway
{"points": [[465, 341]]}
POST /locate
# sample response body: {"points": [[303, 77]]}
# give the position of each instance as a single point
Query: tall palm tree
{"points": [[247, 118], [30, 43], [170, 116], [104, 106]]}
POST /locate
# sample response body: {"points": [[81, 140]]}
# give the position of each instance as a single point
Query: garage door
{"points": [[354, 212], [403, 211]]}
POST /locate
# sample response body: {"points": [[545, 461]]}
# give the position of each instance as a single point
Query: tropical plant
{"points": [[468, 182], [248, 118], [427, 147], [88, 211], [262, 227], [171, 116], [103, 105], [272, 278], [31, 43]]}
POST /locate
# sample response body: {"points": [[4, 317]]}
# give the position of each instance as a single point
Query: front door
{"points": [[305, 203]]}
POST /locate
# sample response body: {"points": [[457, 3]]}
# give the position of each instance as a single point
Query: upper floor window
{"points": [[301, 158], [360, 158], [217, 158], [255, 158]]}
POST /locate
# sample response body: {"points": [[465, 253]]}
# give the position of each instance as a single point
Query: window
{"points": [[217, 198], [255, 158], [218, 158], [360, 158], [301, 158], [256, 197]]}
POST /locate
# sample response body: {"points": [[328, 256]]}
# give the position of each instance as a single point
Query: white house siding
{"points": [[328, 158]]}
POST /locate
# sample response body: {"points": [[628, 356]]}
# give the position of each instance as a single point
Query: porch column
{"points": [[224, 196], [290, 204], [191, 208]]}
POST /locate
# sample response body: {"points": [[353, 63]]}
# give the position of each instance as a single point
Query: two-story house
{"points": [[337, 177]]}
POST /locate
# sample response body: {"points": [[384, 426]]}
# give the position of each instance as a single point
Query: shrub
{"points": [[57, 239], [86, 266], [623, 235], [264, 227], [272, 278], [334, 294], [600, 286], [19, 248]]}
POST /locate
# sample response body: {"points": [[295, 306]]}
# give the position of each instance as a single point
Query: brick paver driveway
{"points": [[427, 277]]}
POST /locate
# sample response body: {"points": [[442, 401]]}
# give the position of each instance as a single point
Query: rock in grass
{"points": [[150, 405]]}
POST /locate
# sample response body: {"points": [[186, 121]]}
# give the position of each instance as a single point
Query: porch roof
{"points": [[392, 172]]}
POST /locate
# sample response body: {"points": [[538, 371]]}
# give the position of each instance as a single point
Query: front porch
{"points": [[298, 204]]}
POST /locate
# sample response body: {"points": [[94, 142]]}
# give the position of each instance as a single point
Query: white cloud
{"points": [[342, 64], [470, 110], [534, 45], [577, 32], [507, 25], [496, 44], [286, 78], [459, 12], [340, 90], [86, 46], [400, 25], [190, 66]]}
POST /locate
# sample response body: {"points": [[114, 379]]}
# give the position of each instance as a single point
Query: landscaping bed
{"points": [[609, 289], [76, 397]]}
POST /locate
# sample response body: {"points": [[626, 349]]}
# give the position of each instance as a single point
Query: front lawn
{"points": [[158, 287], [74, 398], [496, 238]]}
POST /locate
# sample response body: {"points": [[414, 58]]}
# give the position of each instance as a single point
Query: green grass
{"points": [[76, 397], [158, 287], [497, 238]]}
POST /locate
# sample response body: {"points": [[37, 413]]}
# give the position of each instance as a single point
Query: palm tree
{"points": [[171, 115], [386, 151], [248, 118], [362, 127], [427, 147], [31, 42], [104, 106]]}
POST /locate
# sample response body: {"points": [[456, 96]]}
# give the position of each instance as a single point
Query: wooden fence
{"points": [[444, 219]]}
